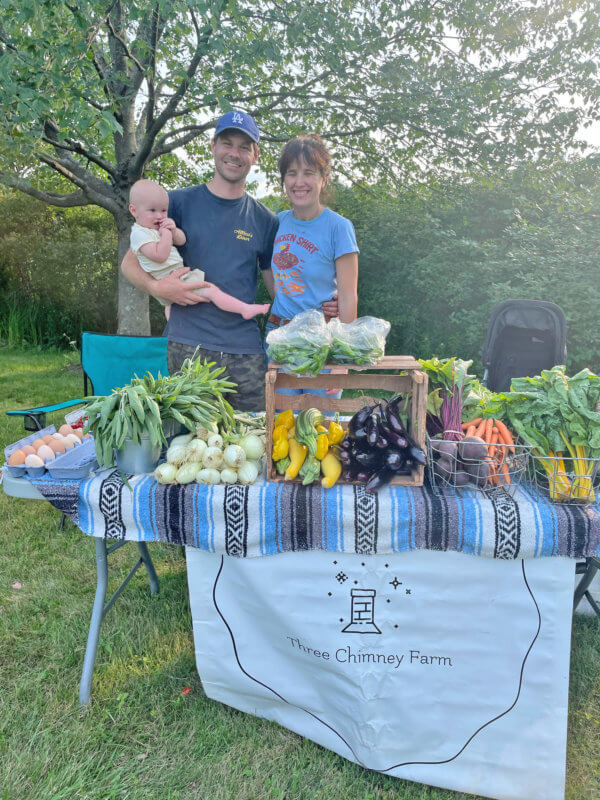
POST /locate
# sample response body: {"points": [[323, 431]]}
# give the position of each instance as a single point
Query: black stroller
{"points": [[523, 338]]}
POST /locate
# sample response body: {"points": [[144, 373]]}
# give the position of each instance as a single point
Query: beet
{"points": [[472, 448], [461, 478], [479, 472], [442, 447], [444, 468]]}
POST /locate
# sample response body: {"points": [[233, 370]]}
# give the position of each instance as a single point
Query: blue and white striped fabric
{"points": [[268, 518]]}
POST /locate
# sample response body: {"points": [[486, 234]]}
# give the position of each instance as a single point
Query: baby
{"points": [[153, 239]]}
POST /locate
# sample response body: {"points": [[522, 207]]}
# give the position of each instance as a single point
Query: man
{"points": [[228, 235]]}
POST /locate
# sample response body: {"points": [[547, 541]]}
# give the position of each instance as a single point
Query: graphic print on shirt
{"points": [[288, 266]]}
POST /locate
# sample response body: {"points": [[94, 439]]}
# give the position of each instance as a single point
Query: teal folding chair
{"points": [[108, 361]]}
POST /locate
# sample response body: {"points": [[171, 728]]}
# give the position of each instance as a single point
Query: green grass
{"points": [[140, 739]]}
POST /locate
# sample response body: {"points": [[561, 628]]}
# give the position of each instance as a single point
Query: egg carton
{"points": [[21, 471], [75, 464]]}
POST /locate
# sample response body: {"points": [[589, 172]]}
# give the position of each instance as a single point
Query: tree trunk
{"points": [[134, 313]]}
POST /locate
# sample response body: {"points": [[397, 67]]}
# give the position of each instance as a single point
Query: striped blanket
{"points": [[268, 518]]}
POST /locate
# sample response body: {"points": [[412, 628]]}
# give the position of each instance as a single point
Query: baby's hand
{"points": [[167, 224]]}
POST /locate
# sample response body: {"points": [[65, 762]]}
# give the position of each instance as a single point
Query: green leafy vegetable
{"points": [[557, 416], [193, 396]]}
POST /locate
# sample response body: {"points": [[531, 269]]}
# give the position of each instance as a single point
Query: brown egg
{"points": [[65, 429], [17, 458], [28, 449], [45, 452], [68, 443], [57, 446], [47, 438], [78, 432], [33, 461], [37, 443]]}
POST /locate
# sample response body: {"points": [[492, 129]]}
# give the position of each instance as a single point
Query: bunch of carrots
{"points": [[499, 440]]}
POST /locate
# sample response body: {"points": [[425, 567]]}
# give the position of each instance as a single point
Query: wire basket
{"points": [[568, 481], [502, 467]]}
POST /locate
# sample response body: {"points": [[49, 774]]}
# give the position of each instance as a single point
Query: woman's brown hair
{"points": [[308, 147]]}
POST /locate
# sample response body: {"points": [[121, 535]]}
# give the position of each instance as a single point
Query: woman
{"points": [[315, 255]]}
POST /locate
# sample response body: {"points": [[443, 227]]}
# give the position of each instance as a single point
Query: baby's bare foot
{"points": [[254, 309]]}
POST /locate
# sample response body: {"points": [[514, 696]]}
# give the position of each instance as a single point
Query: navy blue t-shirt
{"points": [[227, 239]]}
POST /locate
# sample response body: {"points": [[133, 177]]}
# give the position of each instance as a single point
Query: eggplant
{"points": [[396, 440], [393, 418], [356, 426], [381, 443], [345, 457], [372, 426], [348, 475], [363, 475], [417, 455], [379, 479], [366, 458], [394, 460]]}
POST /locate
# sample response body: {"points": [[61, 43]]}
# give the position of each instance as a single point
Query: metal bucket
{"points": [[138, 458]]}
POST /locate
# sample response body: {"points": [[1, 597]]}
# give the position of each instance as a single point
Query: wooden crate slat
{"points": [[387, 362], [391, 383]]}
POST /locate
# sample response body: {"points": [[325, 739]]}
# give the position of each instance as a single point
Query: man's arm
{"points": [[169, 288], [269, 281]]}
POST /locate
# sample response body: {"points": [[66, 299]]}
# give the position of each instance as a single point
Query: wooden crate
{"points": [[385, 375]]}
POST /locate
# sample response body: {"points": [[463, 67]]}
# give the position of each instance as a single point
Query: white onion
{"points": [[194, 451], [234, 456], [212, 458], [187, 472], [252, 446], [248, 472], [176, 454], [208, 476], [215, 440], [204, 432], [165, 473], [183, 439], [229, 476]]}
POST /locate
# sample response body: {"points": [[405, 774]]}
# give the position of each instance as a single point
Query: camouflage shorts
{"points": [[245, 369]]}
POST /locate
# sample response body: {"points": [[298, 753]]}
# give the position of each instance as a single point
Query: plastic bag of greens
{"points": [[301, 346], [360, 342]]}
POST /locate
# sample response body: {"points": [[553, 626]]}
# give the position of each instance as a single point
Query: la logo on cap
{"points": [[237, 118]]}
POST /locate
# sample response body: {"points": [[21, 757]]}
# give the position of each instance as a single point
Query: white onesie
{"points": [[140, 236]]}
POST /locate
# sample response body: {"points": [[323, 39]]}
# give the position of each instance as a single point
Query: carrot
{"points": [[489, 424], [471, 430], [480, 429], [475, 422], [493, 478], [505, 435], [492, 449], [505, 475]]}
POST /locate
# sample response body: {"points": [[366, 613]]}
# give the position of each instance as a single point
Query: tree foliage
{"points": [[436, 265], [101, 92]]}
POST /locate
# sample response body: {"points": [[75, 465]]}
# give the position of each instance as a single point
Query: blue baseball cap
{"points": [[239, 121]]}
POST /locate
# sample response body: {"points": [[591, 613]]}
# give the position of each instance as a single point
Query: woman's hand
{"points": [[330, 308], [336, 371]]}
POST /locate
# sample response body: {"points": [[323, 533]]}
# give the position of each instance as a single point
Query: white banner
{"points": [[441, 668]]}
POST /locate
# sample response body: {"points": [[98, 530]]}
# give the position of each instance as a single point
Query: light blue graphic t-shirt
{"points": [[303, 260]]}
